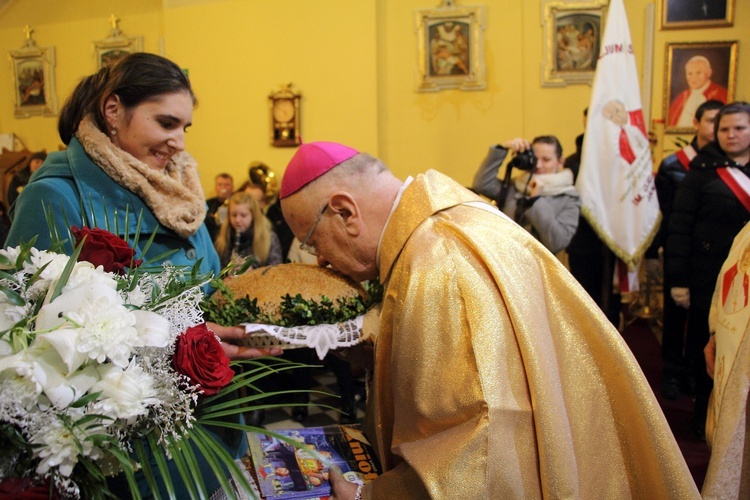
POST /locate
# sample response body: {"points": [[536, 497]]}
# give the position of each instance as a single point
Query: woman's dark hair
{"points": [[730, 109], [552, 141], [136, 78]]}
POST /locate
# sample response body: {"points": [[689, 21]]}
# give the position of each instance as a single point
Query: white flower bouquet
{"points": [[101, 369]]}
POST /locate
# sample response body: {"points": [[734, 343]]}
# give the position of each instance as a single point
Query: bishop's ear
{"points": [[345, 206]]}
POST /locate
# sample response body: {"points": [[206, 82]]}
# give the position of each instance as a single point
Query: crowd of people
{"points": [[501, 383]]}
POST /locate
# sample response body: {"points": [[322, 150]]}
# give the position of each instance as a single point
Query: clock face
{"points": [[283, 110]]}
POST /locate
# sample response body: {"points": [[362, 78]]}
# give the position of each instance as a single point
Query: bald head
{"points": [[614, 111], [342, 214], [697, 71]]}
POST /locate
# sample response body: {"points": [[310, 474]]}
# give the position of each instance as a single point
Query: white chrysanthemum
{"points": [[60, 447], [107, 330], [12, 254], [52, 314], [56, 263], [10, 314], [84, 273], [126, 394], [21, 392], [23, 364]]}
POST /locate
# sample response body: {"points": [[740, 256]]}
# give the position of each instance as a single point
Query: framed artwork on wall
{"points": [[450, 48], [34, 80], [112, 49], [682, 14], [696, 72], [116, 45], [572, 38]]}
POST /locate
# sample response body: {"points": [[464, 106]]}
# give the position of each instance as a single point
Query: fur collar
{"points": [[174, 195], [552, 184]]}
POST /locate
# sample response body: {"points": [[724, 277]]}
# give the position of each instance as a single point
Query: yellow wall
{"points": [[355, 64]]}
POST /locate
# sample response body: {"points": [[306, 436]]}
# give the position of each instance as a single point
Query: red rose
{"points": [[199, 355], [24, 488], [103, 248]]}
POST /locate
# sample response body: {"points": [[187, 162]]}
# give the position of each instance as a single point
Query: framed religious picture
{"points": [[695, 73], [681, 14], [112, 49], [450, 48], [572, 38], [116, 45], [34, 80]]}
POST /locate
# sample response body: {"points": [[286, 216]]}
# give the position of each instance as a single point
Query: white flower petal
{"points": [[71, 300], [60, 387], [66, 341], [6, 349], [153, 329]]}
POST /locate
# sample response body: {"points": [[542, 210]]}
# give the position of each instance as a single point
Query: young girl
{"points": [[247, 233]]}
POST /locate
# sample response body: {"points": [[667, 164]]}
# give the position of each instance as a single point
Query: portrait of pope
{"points": [[697, 73]]}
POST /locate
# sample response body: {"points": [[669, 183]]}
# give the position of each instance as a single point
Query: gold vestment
{"points": [[496, 375], [728, 474]]}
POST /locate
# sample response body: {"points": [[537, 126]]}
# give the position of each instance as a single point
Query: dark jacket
{"points": [[667, 180], [706, 216]]}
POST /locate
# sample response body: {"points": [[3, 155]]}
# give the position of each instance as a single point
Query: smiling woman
{"points": [[126, 169], [125, 131]]}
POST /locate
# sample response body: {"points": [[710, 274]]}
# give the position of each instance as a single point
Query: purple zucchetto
{"points": [[310, 162]]}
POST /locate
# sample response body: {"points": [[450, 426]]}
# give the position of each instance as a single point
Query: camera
{"points": [[525, 160]]}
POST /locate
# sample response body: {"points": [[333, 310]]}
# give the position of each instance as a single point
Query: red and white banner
{"points": [[616, 178]]}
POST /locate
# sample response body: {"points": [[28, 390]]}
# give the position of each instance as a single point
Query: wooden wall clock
{"points": [[285, 110]]}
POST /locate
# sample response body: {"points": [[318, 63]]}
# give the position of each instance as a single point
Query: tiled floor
{"points": [[324, 405]]}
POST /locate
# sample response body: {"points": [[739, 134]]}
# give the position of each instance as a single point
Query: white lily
{"points": [[6, 349], [153, 329], [136, 297], [62, 387], [50, 315], [66, 341]]}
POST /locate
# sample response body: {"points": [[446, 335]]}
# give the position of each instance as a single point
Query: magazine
{"points": [[284, 471]]}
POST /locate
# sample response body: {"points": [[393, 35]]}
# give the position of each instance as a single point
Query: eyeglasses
{"points": [[304, 245]]}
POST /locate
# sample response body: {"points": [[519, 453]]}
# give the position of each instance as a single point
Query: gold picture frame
{"points": [[713, 68], [113, 48], [34, 80], [687, 14], [572, 39], [450, 48]]}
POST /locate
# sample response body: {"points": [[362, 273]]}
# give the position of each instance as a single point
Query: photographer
{"points": [[536, 191]]}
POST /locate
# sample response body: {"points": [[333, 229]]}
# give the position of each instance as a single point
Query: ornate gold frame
{"points": [[285, 135], [32, 59], [462, 60], [556, 15], [111, 49], [666, 24], [679, 53], [116, 45]]}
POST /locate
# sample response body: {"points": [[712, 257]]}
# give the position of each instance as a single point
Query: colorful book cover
{"points": [[284, 471]]}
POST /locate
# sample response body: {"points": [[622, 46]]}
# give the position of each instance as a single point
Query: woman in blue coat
{"points": [[126, 165]]}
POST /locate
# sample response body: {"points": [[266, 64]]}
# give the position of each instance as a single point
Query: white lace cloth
{"points": [[320, 337]]}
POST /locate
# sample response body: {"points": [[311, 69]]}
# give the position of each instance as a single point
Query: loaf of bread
{"points": [[270, 284]]}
